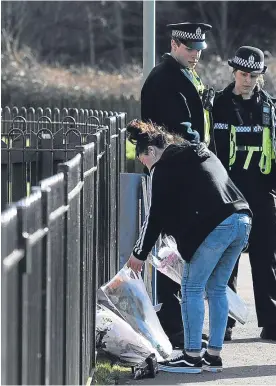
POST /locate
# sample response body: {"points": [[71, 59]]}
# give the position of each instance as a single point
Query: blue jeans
{"points": [[210, 269]]}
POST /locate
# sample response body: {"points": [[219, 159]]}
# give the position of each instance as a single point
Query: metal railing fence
{"points": [[59, 243]]}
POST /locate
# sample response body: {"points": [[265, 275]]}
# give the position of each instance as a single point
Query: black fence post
{"points": [[101, 200], [122, 124], [4, 175], [32, 232], [73, 186], [53, 214], [96, 139], [12, 268], [89, 261], [106, 208], [113, 192]]}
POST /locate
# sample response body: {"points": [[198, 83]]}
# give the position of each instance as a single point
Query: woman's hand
{"points": [[135, 264]]}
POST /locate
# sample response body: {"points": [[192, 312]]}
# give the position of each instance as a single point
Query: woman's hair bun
{"points": [[145, 134], [135, 129]]}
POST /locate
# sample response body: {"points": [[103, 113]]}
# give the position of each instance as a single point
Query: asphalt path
{"points": [[247, 359]]}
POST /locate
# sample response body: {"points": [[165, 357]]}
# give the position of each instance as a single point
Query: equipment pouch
{"points": [[265, 161], [233, 147]]}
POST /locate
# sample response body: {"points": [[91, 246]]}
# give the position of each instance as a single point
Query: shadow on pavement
{"points": [[250, 340], [227, 373]]}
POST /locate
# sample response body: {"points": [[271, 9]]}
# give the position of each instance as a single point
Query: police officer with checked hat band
{"points": [[173, 93], [174, 96], [244, 127]]}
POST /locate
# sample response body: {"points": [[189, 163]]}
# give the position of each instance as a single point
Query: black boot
{"points": [[228, 334], [177, 340], [269, 332]]}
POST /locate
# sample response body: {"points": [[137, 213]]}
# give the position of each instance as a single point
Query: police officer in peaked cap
{"points": [[244, 127], [173, 93], [248, 59], [191, 34], [174, 96]]}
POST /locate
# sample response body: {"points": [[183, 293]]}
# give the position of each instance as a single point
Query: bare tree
{"points": [[224, 29], [119, 33], [93, 32], [15, 20], [91, 36], [224, 34]]}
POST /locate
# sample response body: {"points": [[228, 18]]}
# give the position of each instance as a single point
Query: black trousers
{"points": [[262, 256], [170, 313]]}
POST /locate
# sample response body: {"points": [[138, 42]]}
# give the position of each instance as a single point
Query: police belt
{"points": [[247, 148], [265, 162], [250, 150]]}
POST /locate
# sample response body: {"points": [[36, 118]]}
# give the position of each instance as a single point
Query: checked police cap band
{"points": [[248, 59], [190, 34]]}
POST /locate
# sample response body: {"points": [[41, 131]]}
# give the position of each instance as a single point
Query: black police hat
{"points": [[190, 34], [248, 59]]}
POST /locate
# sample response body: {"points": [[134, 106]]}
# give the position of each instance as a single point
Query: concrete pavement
{"points": [[247, 359]]}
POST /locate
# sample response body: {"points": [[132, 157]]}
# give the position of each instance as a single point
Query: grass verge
{"points": [[110, 374]]}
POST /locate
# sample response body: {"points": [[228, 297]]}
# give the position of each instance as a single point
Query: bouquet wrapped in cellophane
{"points": [[170, 263], [127, 324], [117, 338]]}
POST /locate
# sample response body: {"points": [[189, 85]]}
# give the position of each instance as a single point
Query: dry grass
{"points": [[89, 80], [22, 76]]}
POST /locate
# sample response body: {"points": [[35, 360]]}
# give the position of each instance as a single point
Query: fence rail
{"points": [[59, 244], [31, 150], [57, 117]]}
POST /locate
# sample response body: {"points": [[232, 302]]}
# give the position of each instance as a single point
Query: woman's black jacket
{"points": [[191, 194]]}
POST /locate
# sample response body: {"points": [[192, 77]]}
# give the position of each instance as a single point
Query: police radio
{"points": [[208, 98], [266, 114]]}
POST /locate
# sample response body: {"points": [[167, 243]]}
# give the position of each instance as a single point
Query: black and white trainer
{"points": [[211, 363], [204, 344], [183, 363]]}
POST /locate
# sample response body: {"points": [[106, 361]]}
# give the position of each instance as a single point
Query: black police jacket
{"points": [[246, 116], [191, 194], [169, 98]]}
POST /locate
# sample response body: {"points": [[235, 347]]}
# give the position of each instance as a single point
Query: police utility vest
{"points": [[267, 146], [205, 98]]}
